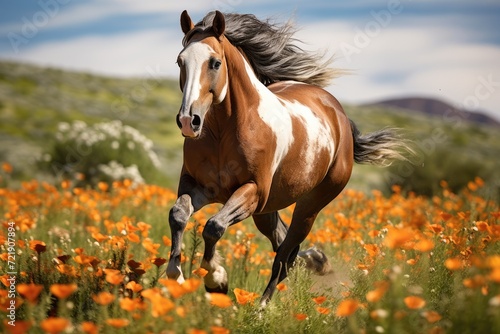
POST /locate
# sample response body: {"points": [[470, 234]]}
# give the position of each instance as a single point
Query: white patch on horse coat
{"points": [[277, 113], [193, 56]]}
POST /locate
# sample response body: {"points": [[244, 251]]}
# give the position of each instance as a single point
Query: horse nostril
{"points": [[177, 119], [196, 122]]}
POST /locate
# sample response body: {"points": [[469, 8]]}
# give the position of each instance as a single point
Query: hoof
{"points": [[219, 289], [316, 261]]}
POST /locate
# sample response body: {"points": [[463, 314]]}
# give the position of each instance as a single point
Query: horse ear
{"points": [[219, 24], [186, 23]]}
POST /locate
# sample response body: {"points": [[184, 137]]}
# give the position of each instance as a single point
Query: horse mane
{"points": [[271, 50]]}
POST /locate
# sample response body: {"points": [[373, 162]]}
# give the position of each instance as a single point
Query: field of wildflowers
{"points": [[92, 260]]}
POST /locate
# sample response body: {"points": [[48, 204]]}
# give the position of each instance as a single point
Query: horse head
{"points": [[203, 72]]}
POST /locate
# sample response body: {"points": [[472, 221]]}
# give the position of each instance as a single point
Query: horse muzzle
{"points": [[190, 125]]}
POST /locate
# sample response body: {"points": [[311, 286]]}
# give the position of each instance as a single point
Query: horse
{"points": [[261, 133]]}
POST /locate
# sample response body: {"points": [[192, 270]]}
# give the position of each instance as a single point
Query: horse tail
{"points": [[380, 148]]}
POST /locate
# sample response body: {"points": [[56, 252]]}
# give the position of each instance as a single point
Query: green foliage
{"points": [[455, 167]]}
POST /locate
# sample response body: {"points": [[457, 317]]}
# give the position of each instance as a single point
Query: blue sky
{"points": [[447, 49]]}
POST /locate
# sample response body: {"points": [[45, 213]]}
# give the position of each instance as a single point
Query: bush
{"points": [[455, 167], [106, 151]]}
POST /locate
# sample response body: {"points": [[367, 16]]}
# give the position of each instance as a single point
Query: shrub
{"points": [[105, 151]]}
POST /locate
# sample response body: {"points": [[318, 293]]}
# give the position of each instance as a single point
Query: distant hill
{"points": [[436, 108]]}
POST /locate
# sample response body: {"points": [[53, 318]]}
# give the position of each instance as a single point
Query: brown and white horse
{"points": [[260, 134]]}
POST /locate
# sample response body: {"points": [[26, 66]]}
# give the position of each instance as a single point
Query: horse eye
{"points": [[215, 64]]}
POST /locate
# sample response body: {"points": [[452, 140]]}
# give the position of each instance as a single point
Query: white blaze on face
{"points": [[194, 56], [277, 114]]}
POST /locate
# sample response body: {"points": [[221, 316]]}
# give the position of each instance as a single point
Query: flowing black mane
{"points": [[272, 50]]}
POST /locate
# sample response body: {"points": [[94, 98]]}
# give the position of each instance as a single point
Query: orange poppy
{"points": [[196, 331], [21, 327], [117, 322], [323, 310], [89, 327], [166, 241], [7, 168], [244, 297], [414, 302], [281, 287], [103, 298], [38, 246], [63, 290], [453, 263], [319, 300], [134, 286], [220, 300], [54, 325], [347, 307], [424, 245], [30, 291], [398, 237], [114, 276], [219, 330], [432, 316], [300, 316], [191, 284], [200, 272]]}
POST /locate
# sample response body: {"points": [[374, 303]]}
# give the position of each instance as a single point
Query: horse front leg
{"points": [[240, 206], [191, 199]]}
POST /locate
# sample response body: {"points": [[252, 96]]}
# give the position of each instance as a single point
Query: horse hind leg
{"points": [[275, 229], [272, 226]]}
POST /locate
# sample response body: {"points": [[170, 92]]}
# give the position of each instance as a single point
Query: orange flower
{"points": [[374, 296], [166, 241], [63, 290], [117, 322], [103, 298], [191, 285], [219, 330], [424, 245], [453, 263], [347, 307], [89, 327], [159, 304], [432, 316], [54, 325], [220, 300], [174, 288], [244, 297], [414, 302], [128, 304], [21, 327], [30, 291], [372, 249], [200, 272], [196, 331], [319, 300], [7, 168], [265, 272], [281, 287], [114, 276], [300, 316], [398, 237], [134, 286], [323, 310], [38, 246]]}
